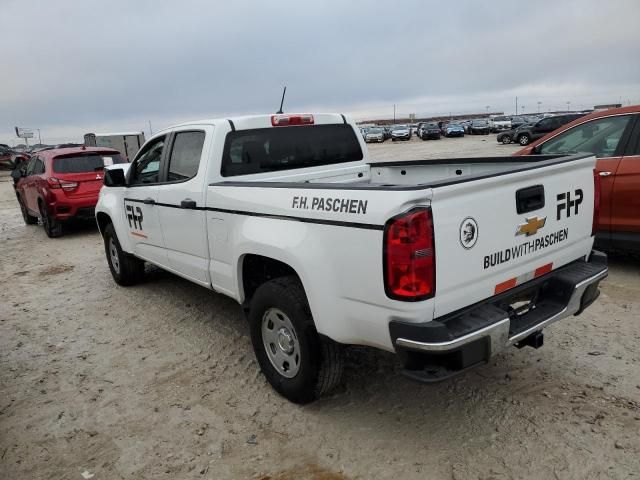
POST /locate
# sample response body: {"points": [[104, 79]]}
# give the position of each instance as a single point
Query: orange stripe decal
{"points": [[138, 234], [543, 269], [504, 286]]}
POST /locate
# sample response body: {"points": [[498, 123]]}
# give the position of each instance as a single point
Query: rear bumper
{"points": [[81, 208], [441, 348]]}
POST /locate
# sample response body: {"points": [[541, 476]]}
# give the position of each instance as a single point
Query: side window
{"points": [[39, 167], [547, 124], [31, 166], [185, 155], [634, 143], [600, 137], [146, 168]]}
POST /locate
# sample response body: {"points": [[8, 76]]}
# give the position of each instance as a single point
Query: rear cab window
{"points": [[284, 148], [82, 163]]}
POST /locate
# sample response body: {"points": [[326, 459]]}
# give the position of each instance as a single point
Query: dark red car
{"points": [[613, 136], [61, 184]]}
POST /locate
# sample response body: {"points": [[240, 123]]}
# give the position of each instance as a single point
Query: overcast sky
{"points": [[71, 67]]}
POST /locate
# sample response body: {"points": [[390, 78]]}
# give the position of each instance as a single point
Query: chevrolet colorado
{"points": [[445, 262]]}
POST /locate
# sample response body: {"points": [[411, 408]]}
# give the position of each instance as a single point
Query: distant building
{"points": [[597, 108]]}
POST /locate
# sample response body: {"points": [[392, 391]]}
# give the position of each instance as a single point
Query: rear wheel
{"points": [[26, 216], [297, 362], [52, 227], [524, 139], [125, 269]]}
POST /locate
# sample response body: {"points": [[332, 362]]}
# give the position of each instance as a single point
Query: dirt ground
{"points": [[159, 381]]}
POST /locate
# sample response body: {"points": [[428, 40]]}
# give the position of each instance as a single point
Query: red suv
{"points": [[61, 184]]}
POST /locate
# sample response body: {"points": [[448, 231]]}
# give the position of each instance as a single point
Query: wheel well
{"points": [[103, 220], [257, 270]]}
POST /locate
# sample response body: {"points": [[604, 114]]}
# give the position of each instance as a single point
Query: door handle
{"points": [[149, 201], [604, 174], [188, 203]]}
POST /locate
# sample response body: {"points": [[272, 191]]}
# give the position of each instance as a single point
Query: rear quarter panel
{"points": [[340, 265]]}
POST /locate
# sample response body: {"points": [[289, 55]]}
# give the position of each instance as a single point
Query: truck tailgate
{"points": [[500, 231]]}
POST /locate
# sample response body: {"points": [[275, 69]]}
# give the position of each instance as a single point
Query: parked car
{"points": [[509, 135], [542, 127], [613, 136], [374, 135], [58, 185], [466, 124], [400, 132], [500, 123], [200, 200], [454, 130], [518, 121], [479, 127], [430, 131], [5, 157]]}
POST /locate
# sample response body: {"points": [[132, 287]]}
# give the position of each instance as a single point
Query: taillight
{"points": [[287, 120], [597, 188], [63, 184], [409, 256]]}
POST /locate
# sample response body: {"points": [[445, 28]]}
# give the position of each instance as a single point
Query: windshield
{"points": [[454, 125], [86, 163], [375, 130], [479, 123], [282, 148], [400, 127]]}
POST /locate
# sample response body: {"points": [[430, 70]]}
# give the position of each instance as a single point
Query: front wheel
{"points": [[125, 269], [297, 362], [26, 216], [506, 140]]}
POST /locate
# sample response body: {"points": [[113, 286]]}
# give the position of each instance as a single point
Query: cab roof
{"points": [[247, 122]]}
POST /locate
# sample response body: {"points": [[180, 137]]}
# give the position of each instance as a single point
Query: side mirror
{"points": [[114, 177], [17, 174]]}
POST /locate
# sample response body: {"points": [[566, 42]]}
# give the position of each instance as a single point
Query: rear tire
{"points": [[524, 139], [298, 363], [125, 269], [52, 227], [26, 216]]}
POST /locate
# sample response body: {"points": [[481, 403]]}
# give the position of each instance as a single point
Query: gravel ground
{"points": [[159, 381]]}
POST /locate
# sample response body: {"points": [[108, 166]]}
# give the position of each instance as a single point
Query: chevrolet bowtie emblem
{"points": [[531, 226]]}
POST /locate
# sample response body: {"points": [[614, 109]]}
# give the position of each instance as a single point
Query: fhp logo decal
{"points": [[568, 202], [134, 215]]}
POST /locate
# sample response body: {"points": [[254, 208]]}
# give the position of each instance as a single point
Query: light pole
{"points": [[394, 113], [523, 109], [39, 138], [568, 106], [539, 103]]}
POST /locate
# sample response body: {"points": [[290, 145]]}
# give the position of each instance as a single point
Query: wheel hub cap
{"points": [[280, 342], [285, 341]]}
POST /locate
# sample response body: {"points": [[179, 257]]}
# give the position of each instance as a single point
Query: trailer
{"points": [[127, 143]]}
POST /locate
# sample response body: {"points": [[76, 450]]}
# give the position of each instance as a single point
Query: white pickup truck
{"points": [[444, 262]]}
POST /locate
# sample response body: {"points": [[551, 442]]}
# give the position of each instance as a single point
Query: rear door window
{"points": [[600, 137], [185, 155], [38, 168], [85, 163], [284, 148]]}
